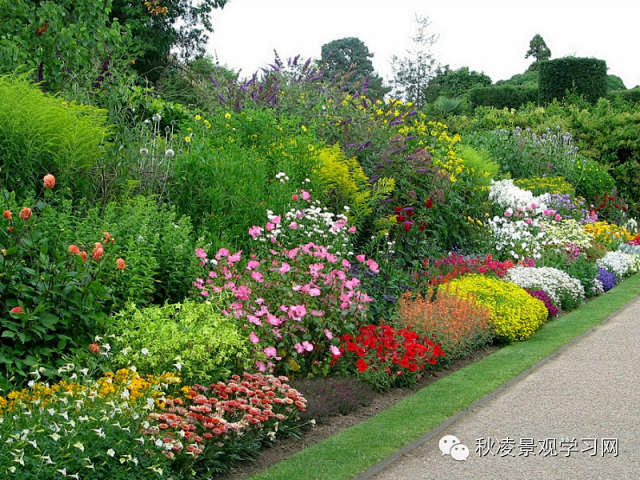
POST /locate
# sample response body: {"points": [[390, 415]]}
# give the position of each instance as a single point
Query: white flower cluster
{"points": [[282, 177], [518, 238], [555, 283], [620, 263], [565, 232], [314, 223], [508, 195]]}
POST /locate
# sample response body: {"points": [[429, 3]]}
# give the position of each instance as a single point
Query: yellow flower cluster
{"points": [[540, 185], [608, 233], [109, 385], [514, 314]]}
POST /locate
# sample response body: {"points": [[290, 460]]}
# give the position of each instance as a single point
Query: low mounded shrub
{"points": [[514, 314], [459, 325], [192, 336], [565, 291]]}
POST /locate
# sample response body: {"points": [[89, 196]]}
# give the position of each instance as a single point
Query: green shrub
{"points": [[503, 96], [42, 134], [51, 298], [157, 243], [579, 76], [514, 314], [590, 178], [479, 165], [205, 344]]}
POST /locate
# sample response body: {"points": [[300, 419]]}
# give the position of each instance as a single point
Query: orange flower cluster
{"points": [[453, 321]]}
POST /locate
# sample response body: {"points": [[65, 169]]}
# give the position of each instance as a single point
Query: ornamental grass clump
{"points": [[514, 314], [565, 291], [460, 325]]}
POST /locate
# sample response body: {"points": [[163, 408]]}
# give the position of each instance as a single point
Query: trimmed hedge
{"points": [[632, 96], [504, 96], [580, 76]]}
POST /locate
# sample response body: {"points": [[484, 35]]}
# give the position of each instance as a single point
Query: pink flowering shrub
{"points": [[293, 303]]}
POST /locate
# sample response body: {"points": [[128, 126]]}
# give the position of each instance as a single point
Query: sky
{"points": [[485, 35]]}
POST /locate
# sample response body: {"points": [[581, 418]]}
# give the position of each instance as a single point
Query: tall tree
{"points": [[165, 26], [413, 71], [538, 49], [348, 61]]}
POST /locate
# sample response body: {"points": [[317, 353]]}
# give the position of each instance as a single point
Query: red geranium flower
{"points": [[362, 365], [16, 310]]}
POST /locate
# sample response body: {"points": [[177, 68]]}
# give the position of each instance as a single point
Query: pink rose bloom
{"points": [[255, 231], [360, 258], [284, 268], [270, 352], [294, 197], [299, 348], [223, 252], [331, 258], [252, 264], [293, 225], [345, 264], [557, 217], [373, 266], [277, 220], [328, 334], [307, 346], [253, 338], [507, 213], [305, 195], [204, 293], [235, 257], [293, 253], [534, 205], [270, 226], [254, 320], [273, 320], [261, 366], [352, 229], [528, 221], [317, 313], [335, 351], [200, 253]]}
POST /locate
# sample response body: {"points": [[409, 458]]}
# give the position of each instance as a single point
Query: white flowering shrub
{"points": [[564, 290], [307, 221], [566, 232], [508, 195], [620, 263], [517, 239]]}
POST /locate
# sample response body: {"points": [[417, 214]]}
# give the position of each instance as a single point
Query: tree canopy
{"points": [[538, 49]]}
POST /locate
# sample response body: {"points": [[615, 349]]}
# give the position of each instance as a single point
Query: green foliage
{"points": [[160, 27], [580, 76], [193, 335], [42, 134], [225, 180], [454, 83], [63, 299], [503, 96], [538, 49], [580, 267], [157, 243], [526, 79], [347, 60], [63, 43], [614, 83], [590, 178], [482, 169]]}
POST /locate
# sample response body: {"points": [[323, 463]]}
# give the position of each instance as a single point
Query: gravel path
{"points": [[577, 417]]}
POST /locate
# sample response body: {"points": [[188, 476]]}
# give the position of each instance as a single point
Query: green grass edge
{"points": [[354, 450]]}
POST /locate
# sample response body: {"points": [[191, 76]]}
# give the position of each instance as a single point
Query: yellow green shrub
{"points": [[343, 182], [514, 314], [540, 185]]}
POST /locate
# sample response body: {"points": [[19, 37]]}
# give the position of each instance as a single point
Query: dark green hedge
{"points": [[580, 76], [632, 95], [502, 96]]}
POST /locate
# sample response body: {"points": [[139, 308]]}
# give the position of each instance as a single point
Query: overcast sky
{"points": [[491, 36]]}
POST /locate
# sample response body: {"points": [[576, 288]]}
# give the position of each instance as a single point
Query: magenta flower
{"points": [[200, 253], [293, 225], [271, 352], [335, 351], [252, 264], [373, 266], [360, 258], [307, 346], [305, 195], [269, 227], [276, 220], [223, 252], [328, 334], [352, 229], [255, 231], [257, 276], [284, 268], [253, 338]]}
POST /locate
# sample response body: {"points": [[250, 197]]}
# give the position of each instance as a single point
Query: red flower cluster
{"points": [[445, 269], [610, 202], [634, 241], [225, 412], [390, 351]]}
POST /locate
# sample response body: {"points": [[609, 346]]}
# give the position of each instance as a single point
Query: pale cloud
{"points": [[489, 36]]}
